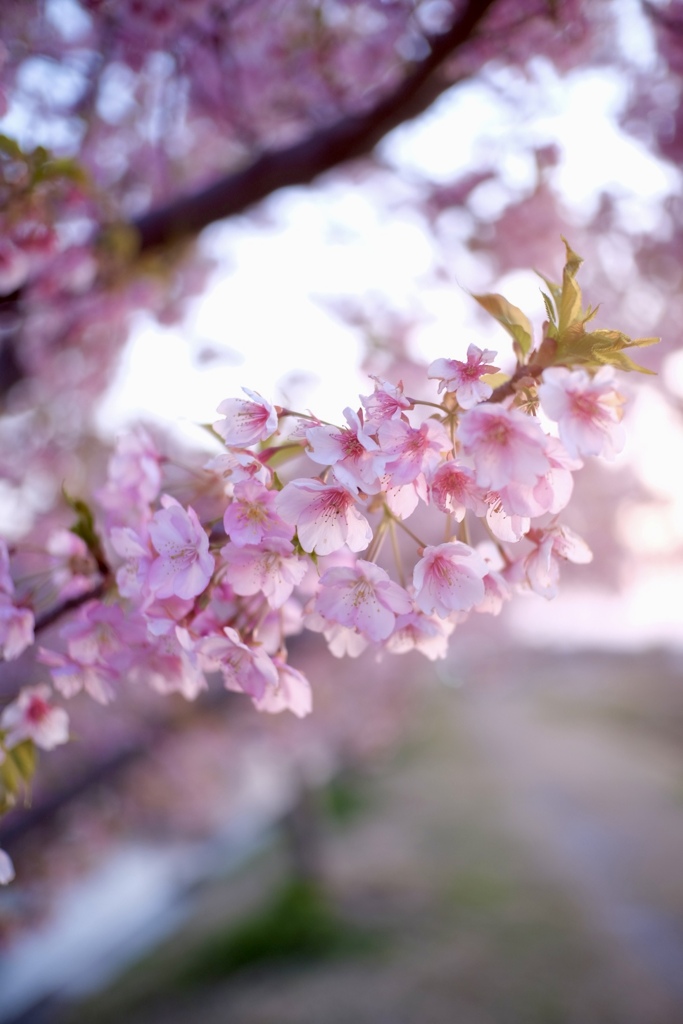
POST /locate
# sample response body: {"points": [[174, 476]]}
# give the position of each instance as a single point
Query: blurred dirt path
{"points": [[520, 858], [601, 810]]}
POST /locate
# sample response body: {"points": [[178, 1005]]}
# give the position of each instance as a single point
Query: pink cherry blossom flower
{"points": [[387, 402], [238, 464], [291, 693], [550, 493], [6, 581], [6, 868], [133, 478], [454, 491], [104, 635], [465, 378], [342, 641], [16, 629], [273, 570], [496, 592], [419, 632], [412, 450], [354, 454], [136, 548], [70, 676], [16, 624], [246, 422], [496, 587], [505, 445], [449, 578], [362, 597], [276, 624], [171, 665], [506, 526], [404, 499], [588, 410], [251, 517], [74, 567], [32, 717], [102, 644], [245, 669], [184, 565], [325, 516], [542, 567]]}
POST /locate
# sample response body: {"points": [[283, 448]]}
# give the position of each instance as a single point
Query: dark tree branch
{"points": [[301, 163], [350, 138], [53, 615]]}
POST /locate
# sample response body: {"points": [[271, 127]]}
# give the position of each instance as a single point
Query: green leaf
{"points": [[554, 289], [12, 148], [24, 757], [600, 348], [49, 170], [16, 772], [84, 527], [550, 311], [515, 322], [569, 308]]}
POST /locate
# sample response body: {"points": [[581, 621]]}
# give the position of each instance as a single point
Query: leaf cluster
{"points": [[24, 171], [566, 341]]}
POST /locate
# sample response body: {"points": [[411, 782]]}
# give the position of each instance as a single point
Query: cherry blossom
{"points": [[32, 717], [246, 422], [342, 641], [402, 500], [454, 491], [170, 664], [465, 378], [449, 578], [250, 518], [73, 567], [246, 669], [506, 446], [412, 450], [16, 623], [70, 676], [541, 566], [16, 629], [417, 631], [587, 409], [387, 402], [292, 692], [354, 455], [133, 478], [238, 464], [184, 565], [272, 571], [325, 516], [6, 581], [362, 597], [6, 868]]}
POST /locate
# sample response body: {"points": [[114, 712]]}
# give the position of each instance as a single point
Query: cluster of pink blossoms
{"points": [[480, 478]]}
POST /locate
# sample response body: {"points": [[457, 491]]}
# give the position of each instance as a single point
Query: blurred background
{"points": [[495, 837]]}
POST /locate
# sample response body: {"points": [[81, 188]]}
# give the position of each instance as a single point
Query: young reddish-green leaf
{"points": [[600, 348], [515, 322]]}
